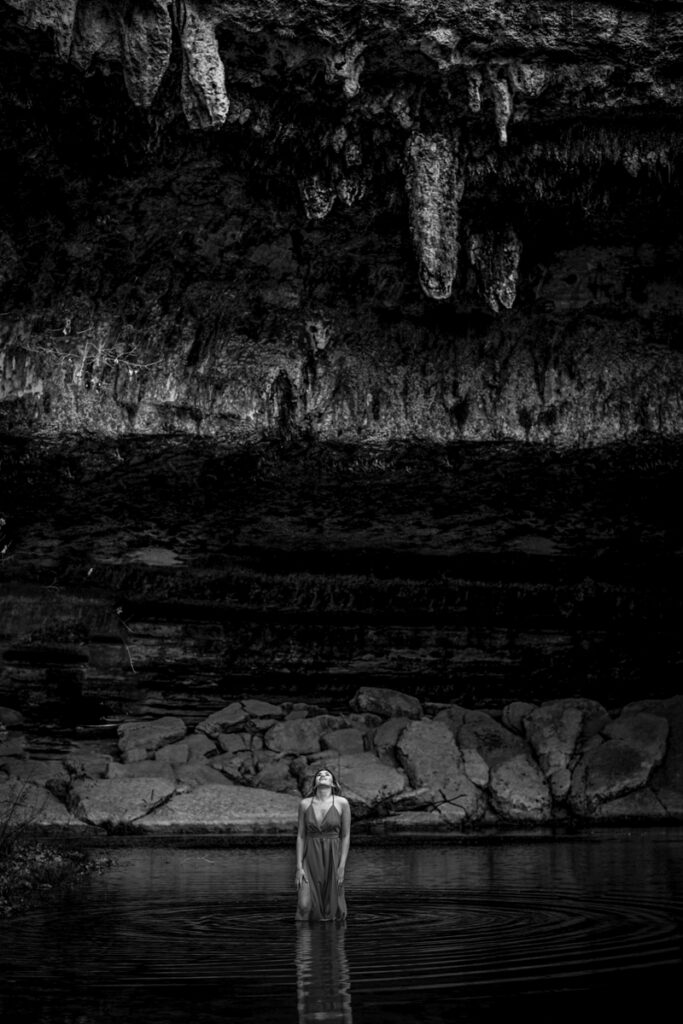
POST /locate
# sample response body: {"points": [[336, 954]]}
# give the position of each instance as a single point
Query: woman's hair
{"points": [[336, 788]]}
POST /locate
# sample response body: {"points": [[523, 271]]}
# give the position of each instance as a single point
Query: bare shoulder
{"points": [[343, 802], [306, 802]]}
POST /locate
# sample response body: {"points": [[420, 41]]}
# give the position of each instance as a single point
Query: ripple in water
{"points": [[209, 935]]}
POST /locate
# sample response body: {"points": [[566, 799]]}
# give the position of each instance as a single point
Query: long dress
{"points": [[321, 860]]}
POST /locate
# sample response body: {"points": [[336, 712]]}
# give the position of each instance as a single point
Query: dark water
{"points": [[585, 928]]}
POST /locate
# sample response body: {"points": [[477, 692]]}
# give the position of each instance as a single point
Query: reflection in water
{"points": [[323, 980], [438, 932]]}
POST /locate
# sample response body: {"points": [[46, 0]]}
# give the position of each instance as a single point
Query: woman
{"points": [[322, 846]]}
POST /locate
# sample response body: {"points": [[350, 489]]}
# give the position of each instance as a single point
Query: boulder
{"points": [[453, 716], [386, 703], [225, 809], [667, 779], [10, 718], [39, 772], [195, 773], [514, 715], [555, 730], [346, 741], [200, 746], [233, 742], [611, 770], [141, 770], [15, 746], [114, 802], [225, 720], [519, 792], [299, 736], [262, 709], [136, 738], [386, 737], [366, 781], [646, 732], [428, 752], [173, 753], [88, 765], [642, 805], [276, 776], [416, 821], [236, 766], [501, 760], [28, 806]]}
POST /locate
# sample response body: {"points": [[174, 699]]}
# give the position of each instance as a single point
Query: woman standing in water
{"points": [[322, 846]]}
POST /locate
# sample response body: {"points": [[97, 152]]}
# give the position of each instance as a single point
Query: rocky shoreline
{"points": [[406, 767]]}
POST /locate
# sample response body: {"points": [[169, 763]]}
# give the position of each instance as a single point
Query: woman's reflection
{"points": [[322, 973]]}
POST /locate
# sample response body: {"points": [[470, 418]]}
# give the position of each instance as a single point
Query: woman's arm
{"points": [[345, 840]]}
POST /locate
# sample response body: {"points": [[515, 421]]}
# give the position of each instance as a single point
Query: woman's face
{"points": [[324, 778]]}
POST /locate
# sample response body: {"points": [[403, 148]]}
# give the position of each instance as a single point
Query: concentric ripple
{"points": [[207, 936]]}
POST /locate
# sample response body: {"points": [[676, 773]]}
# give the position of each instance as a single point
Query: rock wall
{"points": [[404, 767], [448, 220]]}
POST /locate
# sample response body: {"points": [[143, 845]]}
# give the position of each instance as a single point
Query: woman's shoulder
{"points": [[341, 800], [305, 802]]}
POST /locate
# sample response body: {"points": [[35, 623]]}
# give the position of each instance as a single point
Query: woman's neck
{"points": [[323, 792]]}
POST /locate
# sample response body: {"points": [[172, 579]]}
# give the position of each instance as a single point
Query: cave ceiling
{"points": [[337, 292]]}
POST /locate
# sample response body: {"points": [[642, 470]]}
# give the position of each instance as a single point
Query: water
{"points": [[436, 933]]}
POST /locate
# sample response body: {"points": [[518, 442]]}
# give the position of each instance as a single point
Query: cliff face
{"points": [[326, 245], [445, 220]]}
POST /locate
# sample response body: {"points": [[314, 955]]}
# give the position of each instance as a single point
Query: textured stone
{"points": [[519, 792], [554, 731], [15, 746], [262, 709], [11, 718], [428, 752], [29, 806], [147, 737], [225, 809], [667, 779], [642, 805], [233, 742], [195, 773], [611, 770], [114, 802], [141, 770], [88, 765], [225, 720], [386, 737], [200, 745], [386, 703], [39, 772], [299, 736], [514, 714], [366, 781], [173, 753], [346, 741], [645, 732], [277, 777]]}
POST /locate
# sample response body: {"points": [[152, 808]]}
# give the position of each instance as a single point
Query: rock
{"points": [[262, 709], [174, 753], [428, 752], [453, 716], [225, 809], [13, 747], [411, 800], [299, 736], [667, 779], [10, 718], [416, 821], [190, 776], [200, 745], [141, 770], [554, 731], [222, 721], [366, 722], [386, 703], [88, 765], [642, 805], [114, 802], [39, 772], [386, 737], [236, 766], [611, 770], [366, 781], [147, 737], [28, 806], [514, 715], [233, 742], [277, 777], [296, 715], [347, 741], [645, 732], [518, 789]]}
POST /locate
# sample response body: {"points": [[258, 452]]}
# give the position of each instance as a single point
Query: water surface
{"points": [[435, 933]]}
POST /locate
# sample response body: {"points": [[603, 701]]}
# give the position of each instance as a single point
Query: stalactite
{"points": [[495, 257], [435, 186]]}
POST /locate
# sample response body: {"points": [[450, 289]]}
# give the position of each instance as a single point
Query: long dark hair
{"points": [[336, 788]]}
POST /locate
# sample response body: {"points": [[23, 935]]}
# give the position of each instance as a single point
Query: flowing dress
{"points": [[321, 860]]}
